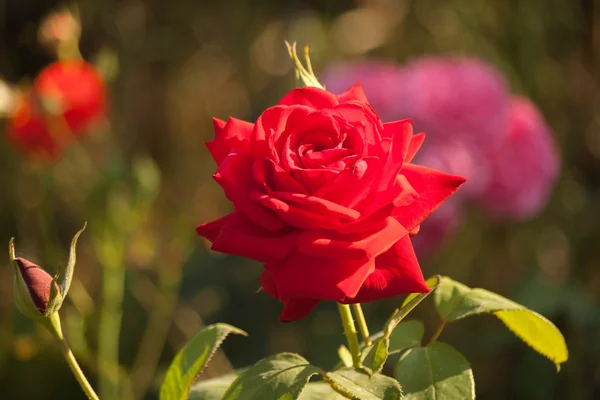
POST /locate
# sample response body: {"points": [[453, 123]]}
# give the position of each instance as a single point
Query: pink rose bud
{"points": [[37, 282], [525, 166]]}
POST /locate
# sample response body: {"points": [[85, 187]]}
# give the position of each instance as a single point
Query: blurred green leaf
{"points": [[190, 360], [358, 385], [282, 376], [437, 371], [454, 301]]}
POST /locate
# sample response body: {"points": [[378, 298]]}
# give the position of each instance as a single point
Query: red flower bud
{"points": [[37, 281]]}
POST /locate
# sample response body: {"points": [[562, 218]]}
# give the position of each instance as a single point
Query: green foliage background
{"points": [[178, 63]]}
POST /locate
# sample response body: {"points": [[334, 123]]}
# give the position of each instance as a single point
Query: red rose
{"points": [[325, 196], [66, 99]]}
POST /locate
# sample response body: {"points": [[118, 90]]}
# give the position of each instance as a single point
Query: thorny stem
{"points": [[350, 331], [362, 323]]}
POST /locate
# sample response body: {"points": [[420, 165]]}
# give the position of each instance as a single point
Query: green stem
{"points": [[54, 326], [438, 331], [362, 323], [350, 331], [113, 286], [85, 385]]}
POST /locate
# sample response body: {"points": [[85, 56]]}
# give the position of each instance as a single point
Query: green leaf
{"points": [[320, 391], [282, 376], [539, 333], [376, 355], [358, 385], [437, 371], [409, 303], [407, 334], [212, 389], [454, 301], [190, 360]]}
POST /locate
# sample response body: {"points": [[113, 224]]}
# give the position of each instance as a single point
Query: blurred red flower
{"points": [[66, 99], [325, 196]]}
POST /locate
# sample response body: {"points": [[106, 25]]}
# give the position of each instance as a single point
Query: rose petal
{"points": [[310, 96], [332, 245], [362, 115], [396, 272], [400, 133], [295, 309], [235, 177], [313, 179], [318, 206], [235, 134], [211, 230], [400, 194], [240, 237], [433, 187], [272, 127], [296, 216], [415, 144], [303, 276], [275, 178], [353, 184], [355, 93]]}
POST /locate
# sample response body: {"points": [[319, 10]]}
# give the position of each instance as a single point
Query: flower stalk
{"points": [[350, 332], [438, 331], [362, 324]]}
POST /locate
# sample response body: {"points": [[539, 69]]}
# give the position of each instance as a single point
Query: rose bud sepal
{"points": [[37, 294]]}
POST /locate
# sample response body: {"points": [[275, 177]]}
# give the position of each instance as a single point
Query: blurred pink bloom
{"points": [[436, 229], [381, 81], [474, 129], [525, 166], [458, 158], [456, 98]]}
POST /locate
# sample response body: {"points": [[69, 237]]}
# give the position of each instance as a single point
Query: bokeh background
{"points": [[142, 180]]}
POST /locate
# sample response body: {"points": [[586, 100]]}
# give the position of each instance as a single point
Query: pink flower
{"points": [[382, 83], [525, 166], [461, 99]]}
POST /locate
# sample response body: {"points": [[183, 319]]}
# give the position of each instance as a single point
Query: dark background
{"points": [[175, 64]]}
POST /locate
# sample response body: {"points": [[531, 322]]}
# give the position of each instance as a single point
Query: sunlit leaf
{"points": [[454, 301], [190, 360], [358, 385], [435, 372], [282, 376]]}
